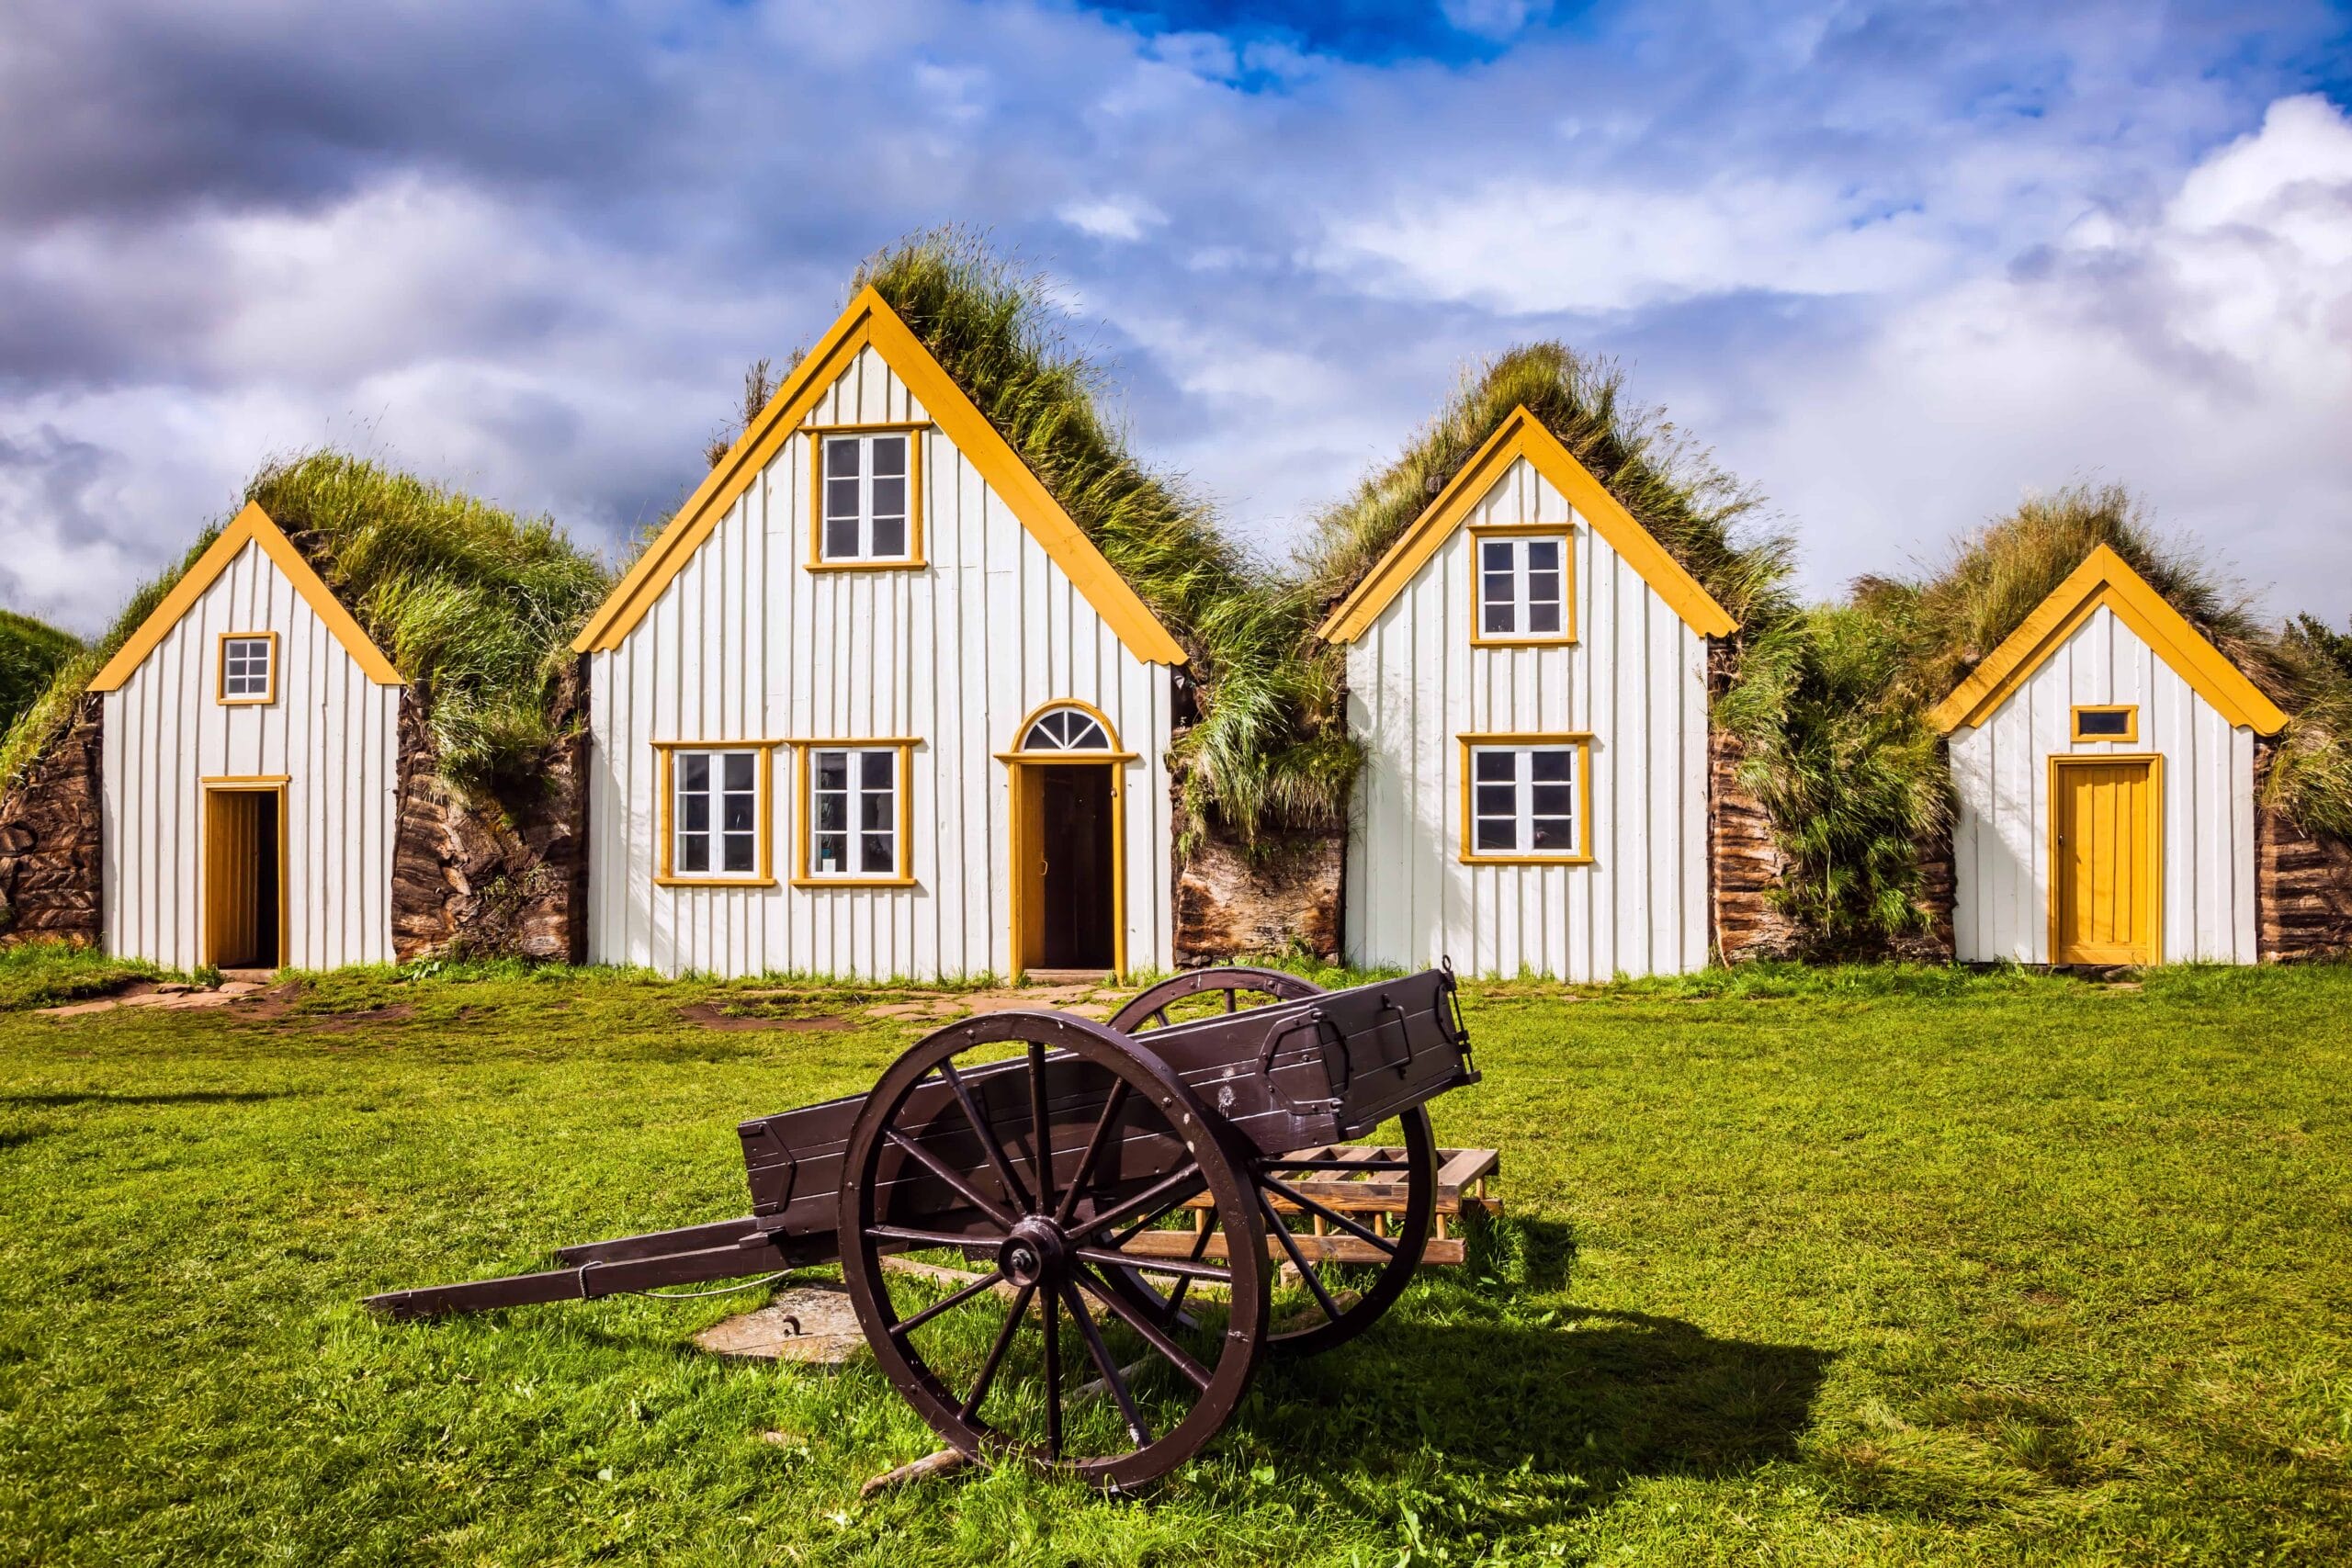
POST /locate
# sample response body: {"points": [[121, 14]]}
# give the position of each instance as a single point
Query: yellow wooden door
{"points": [[1028, 848], [232, 872], [2104, 876]]}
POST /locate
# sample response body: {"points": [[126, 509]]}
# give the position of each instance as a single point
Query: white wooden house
{"points": [[2103, 760], [1527, 673], [250, 770], [873, 705]]}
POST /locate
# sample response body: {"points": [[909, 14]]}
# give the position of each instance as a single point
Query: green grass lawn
{"points": [[1864, 1267]]}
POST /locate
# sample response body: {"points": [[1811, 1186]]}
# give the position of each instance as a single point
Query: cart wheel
{"points": [[1317, 1304], [944, 1157]]}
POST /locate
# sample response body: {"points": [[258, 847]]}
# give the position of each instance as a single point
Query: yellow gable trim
{"points": [[869, 322], [251, 527], [2106, 580], [1524, 435]]}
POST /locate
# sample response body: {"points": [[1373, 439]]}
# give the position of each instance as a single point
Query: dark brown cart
{"points": [[1149, 1186]]}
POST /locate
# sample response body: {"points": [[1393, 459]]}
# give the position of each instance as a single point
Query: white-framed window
{"points": [[865, 497], [1524, 798], [248, 667], [855, 813], [1523, 586], [716, 812]]}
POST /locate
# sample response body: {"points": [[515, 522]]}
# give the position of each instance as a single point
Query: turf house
{"points": [[2103, 765], [336, 734], [873, 704]]}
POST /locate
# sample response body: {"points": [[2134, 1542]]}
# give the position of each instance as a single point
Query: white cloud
{"points": [[2202, 354], [1125, 218], [1526, 247], [1494, 18]]}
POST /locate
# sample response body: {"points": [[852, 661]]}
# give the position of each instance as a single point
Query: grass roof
{"points": [[474, 605], [31, 652], [1269, 746], [1707, 520]]}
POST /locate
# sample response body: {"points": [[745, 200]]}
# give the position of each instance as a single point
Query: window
{"points": [[249, 667], [866, 505], [715, 829], [1065, 729], [1523, 798], [2108, 722], [854, 803], [1523, 586]]}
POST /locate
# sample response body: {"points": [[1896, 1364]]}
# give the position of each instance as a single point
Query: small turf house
{"points": [[1527, 674], [872, 704], [2103, 763], [249, 772]]}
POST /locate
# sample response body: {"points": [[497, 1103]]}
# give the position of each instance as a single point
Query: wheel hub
{"points": [[1034, 1254]]}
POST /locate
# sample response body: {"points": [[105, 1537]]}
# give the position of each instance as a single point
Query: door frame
{"points": [[2152, 820], [252, 783], [1016, 841]]}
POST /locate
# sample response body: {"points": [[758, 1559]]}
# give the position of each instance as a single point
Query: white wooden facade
{"points": [[734, 639], [1632, 685], [327, 738], [2104, 640]]}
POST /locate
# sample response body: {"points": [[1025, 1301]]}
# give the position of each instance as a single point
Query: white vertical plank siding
{"points": [[2001, 776], [334, 732], [746, 644], [1636, 679]]}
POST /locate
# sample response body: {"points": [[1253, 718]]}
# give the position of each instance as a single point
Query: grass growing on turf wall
{"points": [[1856, 1266]]}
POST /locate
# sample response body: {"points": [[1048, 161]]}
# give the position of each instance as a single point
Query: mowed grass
{"points": [[1857, 1267]]}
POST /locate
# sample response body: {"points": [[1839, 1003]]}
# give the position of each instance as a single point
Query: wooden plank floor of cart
{"points": [[1462, 1180]]}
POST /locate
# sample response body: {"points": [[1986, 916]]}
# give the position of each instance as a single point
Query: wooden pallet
{"points": [[1462, 1178]]}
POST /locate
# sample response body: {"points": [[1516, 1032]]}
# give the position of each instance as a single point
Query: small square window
{"points": [[248, 667], [1523, 801], [1522, 585], [865, 499], [716, 812]]}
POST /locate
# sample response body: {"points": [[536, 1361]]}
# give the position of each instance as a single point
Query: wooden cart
{"points": [[1168, 1196]]}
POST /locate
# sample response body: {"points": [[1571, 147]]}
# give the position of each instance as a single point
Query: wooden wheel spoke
{"points": [[1150, 1333], [1159, 1013], [1175, 1302], [929, 1238], [1041, 1132], [953, 1178], [1053, 1374], [1111, 1109], [1305, 1269], [1355, 1228], [971, 1407], [1183, 1267], [1165, 1195], [907, 1326], [1107, 1366], [988, 1145]]}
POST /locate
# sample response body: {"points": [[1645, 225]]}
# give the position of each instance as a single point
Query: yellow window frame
{"points": [[1580, 741], [221, 670], [1566, 533], [2130, 736], [764, 816], [804, 826], [914, 430]]}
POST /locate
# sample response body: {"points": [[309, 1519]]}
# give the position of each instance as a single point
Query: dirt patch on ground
{"points": [[710, 1015], [807, 1322], [344, 1022], [1085, 1000], [170, 995]]}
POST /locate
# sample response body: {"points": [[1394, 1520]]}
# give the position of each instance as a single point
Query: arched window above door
{"points": [[1066, 728]]}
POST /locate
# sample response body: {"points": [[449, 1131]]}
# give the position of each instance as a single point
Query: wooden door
{"points": [[1028, 865], [2106, 864], [244, 894]]}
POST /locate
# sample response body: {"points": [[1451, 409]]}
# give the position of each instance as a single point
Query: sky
{"points": [[1899, 265]]}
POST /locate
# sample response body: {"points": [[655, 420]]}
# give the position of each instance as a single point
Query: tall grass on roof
{"points": [[31, 652], [1269, 749], [1707, 519], [44, 718], [475, 607]]}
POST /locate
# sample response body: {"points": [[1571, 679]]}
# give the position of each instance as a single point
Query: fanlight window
{"points": [[1065, 729]]}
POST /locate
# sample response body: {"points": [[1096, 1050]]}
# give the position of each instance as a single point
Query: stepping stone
{"points": [[828, 1335]]}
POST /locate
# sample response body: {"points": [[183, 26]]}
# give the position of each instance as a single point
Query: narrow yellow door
{"points": [[1028, 864], [2105, 867], [231, 856]]}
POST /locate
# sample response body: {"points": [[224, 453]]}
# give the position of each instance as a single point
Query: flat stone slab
{"points": [[828, 1335]]}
